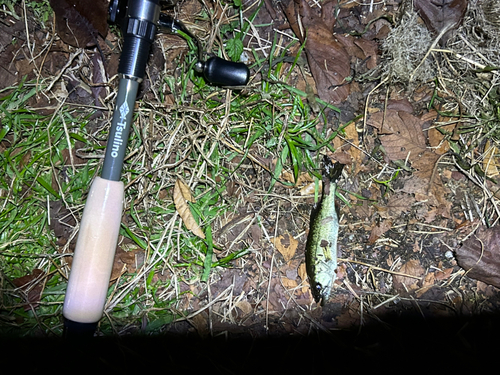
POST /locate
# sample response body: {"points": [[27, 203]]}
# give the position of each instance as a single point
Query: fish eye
{"points": [[318, 287]]}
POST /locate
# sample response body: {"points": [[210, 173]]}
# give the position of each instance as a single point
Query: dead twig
{"points": [[380, 268]]}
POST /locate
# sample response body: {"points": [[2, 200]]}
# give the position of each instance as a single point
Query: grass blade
{"points": [[207, 265]]}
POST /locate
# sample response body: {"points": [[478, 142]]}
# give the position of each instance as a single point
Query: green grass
{"points": [[270, 120]]}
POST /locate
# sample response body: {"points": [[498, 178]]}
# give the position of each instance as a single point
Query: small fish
{"points": [[321, 246]]}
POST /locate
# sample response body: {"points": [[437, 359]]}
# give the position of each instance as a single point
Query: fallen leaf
{"points": [[402, 104], [302, 179], [378, 230], [480, 255], [402, 137], [79, 22], [184, 190], [288, 283], [347, 149], [32, 285], [363, 49], [200, 323], [416, 247], [439, 191], [429, 280], [400, 133], [245, 307], [342, 156], [286, 245], [437, 140], [403, 283], [424, 165], [62, 222], [489, 159], [439, 14], [443, 275], [181, 191], [308, 189], [328, 59], [413, 185], [302, 272], [396, 205], [126, 261], [430, 215]]}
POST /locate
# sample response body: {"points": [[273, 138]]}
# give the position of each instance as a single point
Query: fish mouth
{"points": [[321, 292]]}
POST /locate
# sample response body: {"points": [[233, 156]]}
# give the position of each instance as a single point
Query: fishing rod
{"points": [[94, 254]]}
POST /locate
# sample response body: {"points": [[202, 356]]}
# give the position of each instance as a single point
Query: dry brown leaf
{"points": [[327, 57], [79, 22], [309, 188], [396, 205], [437, 141], [32, 285], [302, 271], [443, 275], [288, 283], [286, 245], [378, 230], [126, 260], [352, 136], [400, 133], [424, 165], [342, 156], [181, 191], [399, 203], [480, 255], [402, 136], [184, 190], [429, 280], [413, 185], [489, 159], [245, 307], [416, 247], [302, 179], [400, 104], [440, 14], [403, 283], [363, 49], [200, 323]]}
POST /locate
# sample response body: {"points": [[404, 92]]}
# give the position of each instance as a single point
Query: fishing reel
{"points": [[140, 19]]}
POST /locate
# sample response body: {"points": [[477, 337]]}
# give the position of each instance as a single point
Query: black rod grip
{"points": [[75, 330]]}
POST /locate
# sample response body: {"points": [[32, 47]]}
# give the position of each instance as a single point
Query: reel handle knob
{"points": [[224, 73]]}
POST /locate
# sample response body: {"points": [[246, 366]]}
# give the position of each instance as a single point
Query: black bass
{"points": [[321, 246]]}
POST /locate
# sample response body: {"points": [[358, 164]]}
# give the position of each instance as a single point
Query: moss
{"points": [[404, 49]]}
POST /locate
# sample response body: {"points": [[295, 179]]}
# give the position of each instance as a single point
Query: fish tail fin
{"points": [[332, 171]]}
